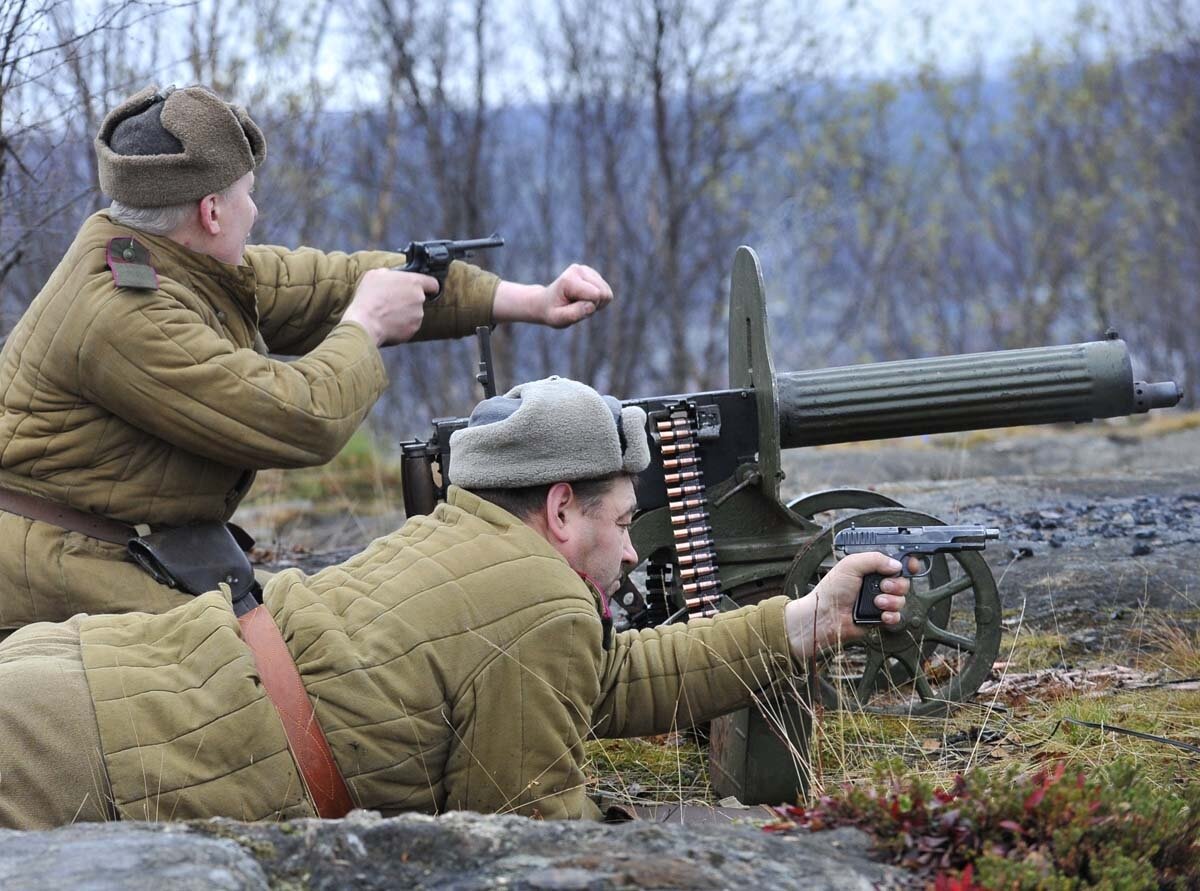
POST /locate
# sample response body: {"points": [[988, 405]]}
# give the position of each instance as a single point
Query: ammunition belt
{"points": [[687, 506]]}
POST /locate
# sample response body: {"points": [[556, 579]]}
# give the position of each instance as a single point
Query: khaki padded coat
{"points": [[156, 406], [457, 663]]}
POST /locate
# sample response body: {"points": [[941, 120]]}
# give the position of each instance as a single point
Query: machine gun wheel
{"points": [[946, 648], [808, 506]]}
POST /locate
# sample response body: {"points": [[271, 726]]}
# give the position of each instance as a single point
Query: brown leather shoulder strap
{"points": [[46, 511], [281, 681]]}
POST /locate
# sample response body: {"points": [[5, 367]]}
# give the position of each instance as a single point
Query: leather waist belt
{"points": [[281, 682], [46, 511]]}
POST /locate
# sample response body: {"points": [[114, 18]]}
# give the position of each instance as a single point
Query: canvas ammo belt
{"points": [[44, 510]]}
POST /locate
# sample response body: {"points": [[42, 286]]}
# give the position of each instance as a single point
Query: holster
{"points": [[196, 559]]}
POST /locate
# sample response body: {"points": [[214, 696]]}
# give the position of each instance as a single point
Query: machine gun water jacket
{"points": [[456, 663], [155, 405]]}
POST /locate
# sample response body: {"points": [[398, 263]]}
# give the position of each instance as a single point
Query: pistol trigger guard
{"points": [[926, 566], [925, 560]]}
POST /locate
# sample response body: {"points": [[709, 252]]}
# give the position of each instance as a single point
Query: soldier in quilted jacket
{"points": [[460, 662], [142, 389]]}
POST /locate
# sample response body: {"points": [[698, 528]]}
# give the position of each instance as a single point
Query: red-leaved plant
{"points": [[1016, 831]]}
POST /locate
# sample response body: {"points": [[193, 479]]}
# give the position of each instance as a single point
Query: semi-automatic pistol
{"points": [[900, 543]]}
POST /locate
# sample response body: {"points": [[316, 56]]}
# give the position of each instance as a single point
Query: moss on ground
{"points": [[672, 767]]}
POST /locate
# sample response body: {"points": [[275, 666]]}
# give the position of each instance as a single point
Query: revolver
{"points": [[900, 543], [434, 257]]}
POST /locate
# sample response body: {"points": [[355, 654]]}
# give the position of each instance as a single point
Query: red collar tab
{"points": [[606, 619]]}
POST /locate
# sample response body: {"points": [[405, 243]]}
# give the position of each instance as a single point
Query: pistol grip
{"points": [[417, 266], [417, 486], [865, 610]]}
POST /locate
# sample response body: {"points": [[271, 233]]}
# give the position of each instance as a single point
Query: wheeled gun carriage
{"points": [[714, 533]]}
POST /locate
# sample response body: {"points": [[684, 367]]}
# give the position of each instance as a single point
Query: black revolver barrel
{"points": [[474, 244], [1045, 385]]}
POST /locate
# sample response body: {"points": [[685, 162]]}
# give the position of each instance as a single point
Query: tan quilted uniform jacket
{"points": [[156, 406], [455, 664]]}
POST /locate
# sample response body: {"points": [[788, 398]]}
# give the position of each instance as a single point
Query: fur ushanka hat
{"points": [[164, 147], [549, 431]]}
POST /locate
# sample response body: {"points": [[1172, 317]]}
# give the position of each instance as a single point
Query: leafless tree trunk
{"points": [[46, 49]]}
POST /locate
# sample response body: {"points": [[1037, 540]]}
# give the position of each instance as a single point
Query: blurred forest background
{"points": [[945, 202]]}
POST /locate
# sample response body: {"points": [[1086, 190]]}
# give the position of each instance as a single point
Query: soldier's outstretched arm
{"points": [[578, 292], [660, 679], [302, 294]]}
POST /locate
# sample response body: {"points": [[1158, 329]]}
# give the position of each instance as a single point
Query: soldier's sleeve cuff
{"points": [[465, 304], [774, 629]]}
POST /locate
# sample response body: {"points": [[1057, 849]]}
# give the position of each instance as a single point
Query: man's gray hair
{"points": [[151, 220]]}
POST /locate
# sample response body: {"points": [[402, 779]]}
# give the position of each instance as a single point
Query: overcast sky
{"points": [[961, 30], [879, 37]]}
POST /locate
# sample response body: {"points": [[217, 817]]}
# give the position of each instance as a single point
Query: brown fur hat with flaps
{"points": [[165, 147]]}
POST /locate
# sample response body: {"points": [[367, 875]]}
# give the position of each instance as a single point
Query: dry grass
{"points": [[994, 737], [362, 477], [1028, 650], [1022, 723], [1171, 645], [673, 767]]}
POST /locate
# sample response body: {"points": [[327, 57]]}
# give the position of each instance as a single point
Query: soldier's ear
{"points": [[559, 508], [208, 214]]}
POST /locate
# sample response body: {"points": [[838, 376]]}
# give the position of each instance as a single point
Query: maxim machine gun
{"points": [[714, 533]]}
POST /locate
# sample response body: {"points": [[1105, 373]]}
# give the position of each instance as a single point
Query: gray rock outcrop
{"points": [[462, 852]]}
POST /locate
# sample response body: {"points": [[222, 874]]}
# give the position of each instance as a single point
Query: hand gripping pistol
{"points": [[900, 543]]}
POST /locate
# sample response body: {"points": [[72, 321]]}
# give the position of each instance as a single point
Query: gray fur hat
{"points": [[164, 147], [549, 431]]}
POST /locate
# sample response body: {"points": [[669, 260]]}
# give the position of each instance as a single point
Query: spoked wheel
{"points": [[830, 500], [941, 654]]}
